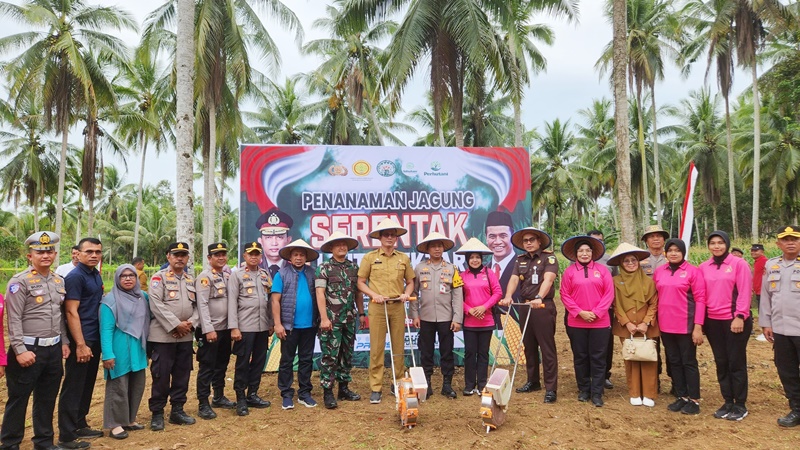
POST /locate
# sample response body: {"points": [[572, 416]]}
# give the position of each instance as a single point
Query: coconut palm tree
{"points": [[56, 60], [184, 90], [620, 62], [285, 117]]}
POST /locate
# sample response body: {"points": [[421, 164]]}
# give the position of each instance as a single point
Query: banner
{"points": [[307, 192], [687, 215]]}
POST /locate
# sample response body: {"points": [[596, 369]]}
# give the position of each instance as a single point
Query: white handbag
{"points": [[639, 349]]}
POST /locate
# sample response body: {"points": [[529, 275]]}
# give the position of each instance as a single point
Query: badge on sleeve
{"points": [[551, 259], [204, 282], [155, 282], [13, 288], [457, 280]]}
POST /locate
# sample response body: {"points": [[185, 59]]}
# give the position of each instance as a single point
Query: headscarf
{"points": [[718, 260], [633, 289], [129, 307], [470, 268], [681, 248]]}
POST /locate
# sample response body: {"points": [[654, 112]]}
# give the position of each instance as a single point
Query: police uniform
{"points": [[35, 324], [172, 301], [339, 282], [440, 304], [780, 310], [649, 266], [249, 312], [274, 222], [212, 357], [530, 269]]}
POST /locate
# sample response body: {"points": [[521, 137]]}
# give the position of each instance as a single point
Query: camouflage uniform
{"points": [[339, 281]]}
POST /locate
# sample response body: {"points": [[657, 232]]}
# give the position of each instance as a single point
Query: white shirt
{"points": [[504, 263], [65, 269]]}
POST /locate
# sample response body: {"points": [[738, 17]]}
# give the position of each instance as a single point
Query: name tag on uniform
{"points": [[442, 288], [535, 277]]}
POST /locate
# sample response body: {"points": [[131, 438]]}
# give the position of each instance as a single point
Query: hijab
{"points": [[681, 247], [718, 260], [633, 289], [129, 307], [470, 268]]}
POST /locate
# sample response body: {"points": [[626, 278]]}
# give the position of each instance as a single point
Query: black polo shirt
{"points": [[86, 285]]}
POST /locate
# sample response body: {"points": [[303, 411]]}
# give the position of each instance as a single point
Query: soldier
{"points": [[439, 310], [82, 312], [338, 299], [37, 344], [250, 321], [386, 274], [535, 273], [213, 336], [274, 226], [296, 322], [779, 317], [174, 315]]}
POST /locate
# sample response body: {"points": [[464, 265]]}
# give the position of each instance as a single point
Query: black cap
{"points": [[254, 246], [756, 247], [274, 221], [178, 247], [217, 247], [498, 218], [737, 249]]}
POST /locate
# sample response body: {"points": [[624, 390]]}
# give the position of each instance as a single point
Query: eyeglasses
{"points": [[93, 252], [127, 277], [529, 240]]}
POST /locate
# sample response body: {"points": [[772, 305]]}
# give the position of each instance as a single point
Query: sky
{"points": [[569, 84]]}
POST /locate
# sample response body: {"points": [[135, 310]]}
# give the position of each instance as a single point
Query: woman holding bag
{"points": [[481, 292], [635, 306]]}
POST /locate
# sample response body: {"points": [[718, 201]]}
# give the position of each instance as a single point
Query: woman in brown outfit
{"points": [[635, 305]]}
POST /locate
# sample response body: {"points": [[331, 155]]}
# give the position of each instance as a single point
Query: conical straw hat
{"points": [[473, 245], [625, 249], [423, 245], [286, 252], [570, 247], [387, 224], [338, 236]]}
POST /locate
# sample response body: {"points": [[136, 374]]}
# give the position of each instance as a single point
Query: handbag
{"points": [[643, 349]]}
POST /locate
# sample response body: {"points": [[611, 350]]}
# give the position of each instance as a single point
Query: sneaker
{"points": [[287, 403], [649, 402], [691, 408], [467, 392], [636, 401], [677, 405], [74, 444], [375, 397], [307, 401], [790, 420], [608, 384], [723, 411], [761, 338], [738, 412]]}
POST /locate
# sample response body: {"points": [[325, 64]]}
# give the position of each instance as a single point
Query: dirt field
{"points": [[455, 423]]}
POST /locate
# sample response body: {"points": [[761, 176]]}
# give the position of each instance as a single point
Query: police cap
{"points": [[217, 247], [274, 222], [178, 247], [43, 240], [253, 247]]}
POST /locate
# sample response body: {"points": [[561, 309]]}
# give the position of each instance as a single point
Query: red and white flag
{"points": [[687, 215]]}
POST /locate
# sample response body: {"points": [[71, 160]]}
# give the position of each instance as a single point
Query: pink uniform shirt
{"points": [[589, 289], [728, 288], [681, 298], [480, 290]]}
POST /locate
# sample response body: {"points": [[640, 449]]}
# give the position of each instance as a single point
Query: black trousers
{"points": [[682, 358], [298, 342], [76, 392], [170, 368], [476, 358], [251, 355], [609, 351], [213, 359], [589, 346], [428, 332], [540, 334], [787, 361], [730, 356], [40, 379]]}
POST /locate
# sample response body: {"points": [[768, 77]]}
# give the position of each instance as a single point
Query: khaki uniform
{"points": [[212, 309], [212, 300], [386, 275], [249, 310], [652, 262]]}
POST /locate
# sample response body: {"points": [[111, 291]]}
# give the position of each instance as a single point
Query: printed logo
{"points": [[337, 170], [408, 168], [436, 166], [361, 168], [386, 168], [14, 288]]}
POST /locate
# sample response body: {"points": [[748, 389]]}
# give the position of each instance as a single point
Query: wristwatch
{"points": [[538, 297], [740, 316], [362, 315]]}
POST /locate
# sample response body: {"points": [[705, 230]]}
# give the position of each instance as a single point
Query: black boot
{"points": [[429, 394], [254, 401], [179, 417], [447, 389], [328, 399], [205, 412], [241, 405], [157, 422], [220, 401], [346, 394]]}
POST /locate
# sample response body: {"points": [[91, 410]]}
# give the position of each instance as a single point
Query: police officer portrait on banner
{"points": [[274, 227]]}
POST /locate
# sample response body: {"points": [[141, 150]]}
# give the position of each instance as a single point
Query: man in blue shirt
{"points": [[296, 321], [82, 307]]}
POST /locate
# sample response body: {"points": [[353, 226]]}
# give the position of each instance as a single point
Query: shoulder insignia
{"points": [[204, 282], [13, 288], [457, 281], [551, 259], [775, 267], [155, 282]]}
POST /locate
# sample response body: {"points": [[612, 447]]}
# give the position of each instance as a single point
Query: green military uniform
{"points": [[339, 279]]}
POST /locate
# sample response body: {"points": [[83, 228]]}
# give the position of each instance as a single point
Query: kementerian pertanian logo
{"points": [[436, 166], [361, 168], [386, 168]]}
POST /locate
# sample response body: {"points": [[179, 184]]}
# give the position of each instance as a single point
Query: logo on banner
{"points": [[386, 168], [408, 168], [337, 170], [436, 166], [361, 168]]}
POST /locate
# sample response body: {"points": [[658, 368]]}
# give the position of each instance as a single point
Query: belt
{"points": [[41, 342]]}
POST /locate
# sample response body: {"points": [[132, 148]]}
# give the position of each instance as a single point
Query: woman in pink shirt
{"points": [[3, 355], [481, 292], [728, 322], [587, 292], [681, 314]]}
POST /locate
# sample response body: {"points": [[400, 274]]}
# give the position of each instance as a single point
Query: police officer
{"points": [[174, 316], [213, 336], [779, 317], [37, 344], [654, 237], [535, 273], [250, 321], [274, 226], [439, 310], [338, 300]]}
